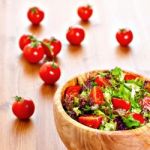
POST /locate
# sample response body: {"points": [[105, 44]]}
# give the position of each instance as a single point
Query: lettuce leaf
{"points": [[130, 122]]}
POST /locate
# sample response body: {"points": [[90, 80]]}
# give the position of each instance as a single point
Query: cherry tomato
{"points": [[50, 72], [96, 95], [23, 108], [85, 12], [35, 15], [25, 40], [91, 121], [130, 76], [75, 35], [120, 104], [124, 37], [73, 90], [145, 103], [101, 81], [139, 118], [33, 52], [51, 47]]}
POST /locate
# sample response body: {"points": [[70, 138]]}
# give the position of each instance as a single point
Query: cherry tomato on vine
{"points": [[33, 52], [25, 40], [23, 108], [50, 72], [85, 12], [51, 47], [35, 15], [75, 35], [124, 37]]}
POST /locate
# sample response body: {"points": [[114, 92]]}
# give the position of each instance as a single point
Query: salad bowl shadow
{"points": [[76, 136]]}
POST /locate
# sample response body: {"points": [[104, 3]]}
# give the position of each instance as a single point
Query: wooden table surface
{"points": [[99, 51]]}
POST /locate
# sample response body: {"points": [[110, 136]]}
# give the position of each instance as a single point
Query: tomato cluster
{"points": [[34, 51]]}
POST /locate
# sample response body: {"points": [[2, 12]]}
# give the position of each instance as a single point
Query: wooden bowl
{"points": [[76, 136]]}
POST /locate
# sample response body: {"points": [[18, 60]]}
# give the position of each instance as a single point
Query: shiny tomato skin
{"points": [[101, 81], [124, 37], [139, 118], [52, 47], [50, 72], [35, 15], [119, 103], [96, 96], [73, 90], [33, 52], [75, 35], [91, 121], [23, 109], [85, 12], [130, 76], [24, 40]]}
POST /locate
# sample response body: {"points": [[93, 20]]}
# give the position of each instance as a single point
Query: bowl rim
{"points": [[58, 104]]}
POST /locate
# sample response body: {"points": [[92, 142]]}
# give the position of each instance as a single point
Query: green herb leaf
{"points": [[130, 122]]}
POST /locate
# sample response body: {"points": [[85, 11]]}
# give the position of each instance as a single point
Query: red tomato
{"points": [[139, 118], [120, 104], [52, 47], [124, 37], [101, 81], [85, 12], [75, 35], [25, 40], [145, 103], [50, 72], [130, 76], [33, 52], [35, 15], [23, 108], [96, 95], [73, 90], [91, 121]]}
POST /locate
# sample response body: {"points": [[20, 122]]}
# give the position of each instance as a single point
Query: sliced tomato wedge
{"points": [[120, 104], [139, 118], [145, 103], [91, 121], [101, 81], [130, 76], [73, 90], [96, 95]]}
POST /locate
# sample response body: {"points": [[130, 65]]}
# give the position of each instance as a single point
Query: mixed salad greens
{"points": [[109, 100]]}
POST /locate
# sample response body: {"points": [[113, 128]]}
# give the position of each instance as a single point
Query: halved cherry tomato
{"points": [[120, 104], [139, 118], [101, 81], [23, 108], [130, 76], [75, 35], [145, 103], [51, 47], [91, 121], [96, 95], [124, 37], [35, 15], [33, 52], [50, 72], [85, 12], [73, 90]]}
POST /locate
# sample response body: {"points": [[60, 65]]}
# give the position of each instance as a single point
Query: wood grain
{"points": [[79, 137], [99, 51]]}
